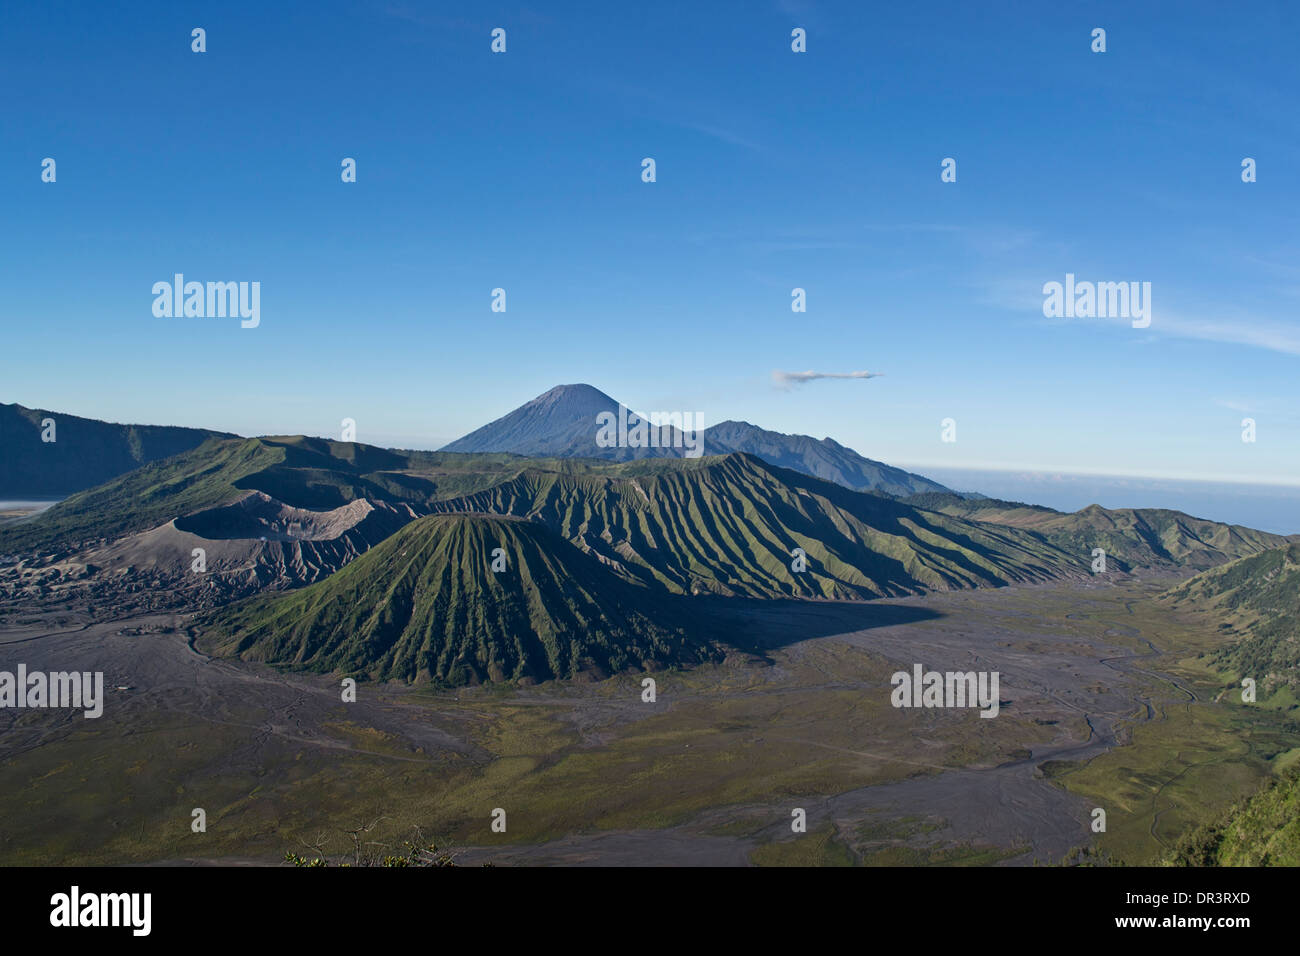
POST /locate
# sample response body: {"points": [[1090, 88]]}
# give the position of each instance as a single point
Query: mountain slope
{"points": [[255, 544], [826, 459], [203, 477], [729, 525], [85, 452], [1262, 831], [1131, 537], [426, 605], [562, 423], [723, 525], [308, 473], [1257, 601]]}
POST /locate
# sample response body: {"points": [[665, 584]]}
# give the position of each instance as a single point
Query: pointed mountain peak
{"points": [[563, 423], [575, 397]]}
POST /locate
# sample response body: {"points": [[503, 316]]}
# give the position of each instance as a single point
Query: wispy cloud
{"points": [[719, 133], [790, 379], [717, 121], [1260, 333], [1277, 411], [1251, 331], [1236, 405], [1022, 293]]}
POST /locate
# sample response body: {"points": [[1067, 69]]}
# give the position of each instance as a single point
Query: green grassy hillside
{"points": [[205, 477], [729, 525], [1262, 831], [302, 472], [1131, 537], [426, 605], [1257, 601]]}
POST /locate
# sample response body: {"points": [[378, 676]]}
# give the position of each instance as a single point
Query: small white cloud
{"points": [[790, 379]]}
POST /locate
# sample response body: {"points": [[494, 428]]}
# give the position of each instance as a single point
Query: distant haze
{"points": [[1274, 508]]}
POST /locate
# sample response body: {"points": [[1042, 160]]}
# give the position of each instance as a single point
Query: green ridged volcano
{"points": [[426, 605]]}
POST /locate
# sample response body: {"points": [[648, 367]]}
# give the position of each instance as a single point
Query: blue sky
{"points": [[775, 170]]}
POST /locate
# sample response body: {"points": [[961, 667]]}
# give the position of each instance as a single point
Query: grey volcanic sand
{"points": [[1085, 688], [1011, 806]]}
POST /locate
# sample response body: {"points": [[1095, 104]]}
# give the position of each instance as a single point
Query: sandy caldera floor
{"points": [[588, 773]]}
